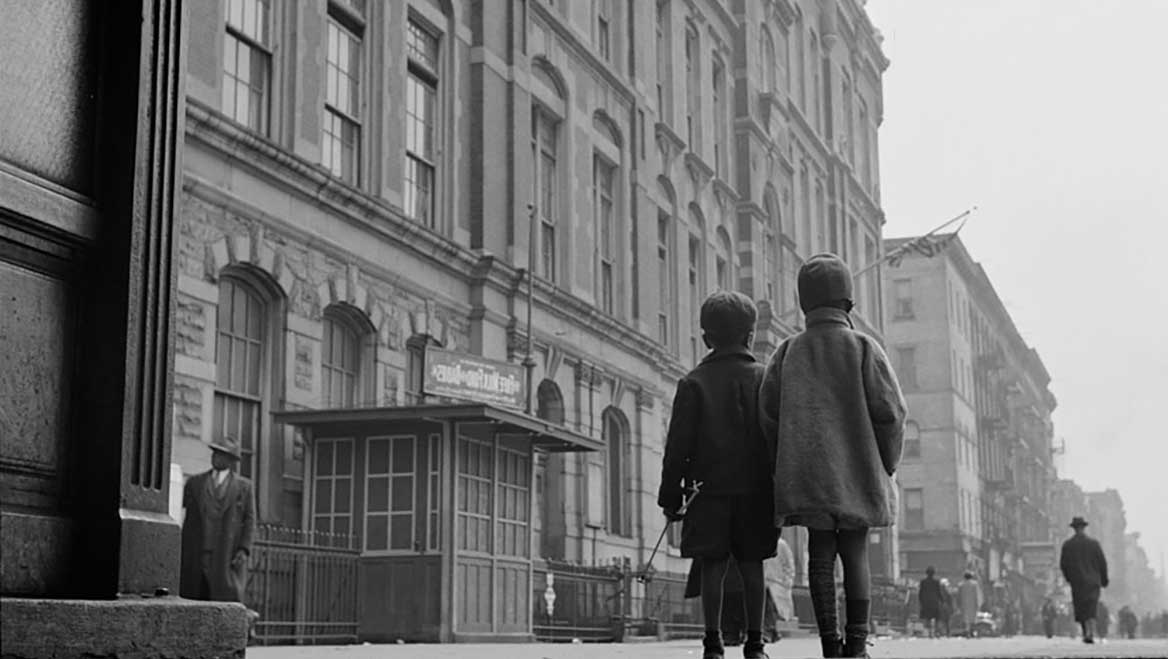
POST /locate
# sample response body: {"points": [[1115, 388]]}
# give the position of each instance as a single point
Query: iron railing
{"points": [[589, 602], [304, 586]]}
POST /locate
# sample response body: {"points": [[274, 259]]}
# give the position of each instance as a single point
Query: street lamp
{"points": [[528, 362]]}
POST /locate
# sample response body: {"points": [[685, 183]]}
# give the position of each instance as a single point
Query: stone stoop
{"points": [[126, 628]]}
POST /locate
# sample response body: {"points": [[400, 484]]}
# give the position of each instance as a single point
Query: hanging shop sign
{"points": [[470, 377]]}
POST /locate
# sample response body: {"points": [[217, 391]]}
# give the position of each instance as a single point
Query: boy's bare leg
{"points": [[754, 590]]}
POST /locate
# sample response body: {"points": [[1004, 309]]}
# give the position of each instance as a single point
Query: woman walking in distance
{"points": [[831, 401]]}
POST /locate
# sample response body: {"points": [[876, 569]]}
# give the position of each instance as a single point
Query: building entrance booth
{"points": [[440, 500]]}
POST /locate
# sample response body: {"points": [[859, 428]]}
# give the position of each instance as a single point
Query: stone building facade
{"points": [[361, 179], [977, 476]]}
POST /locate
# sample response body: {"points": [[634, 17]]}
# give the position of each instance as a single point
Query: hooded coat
{"points": [[833, 407]]}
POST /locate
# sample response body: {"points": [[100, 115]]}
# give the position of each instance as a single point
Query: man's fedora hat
{"points": [[1078, 523], [227, 446]]}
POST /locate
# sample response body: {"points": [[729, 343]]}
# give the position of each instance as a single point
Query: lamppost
{"points": [[528, 362]]}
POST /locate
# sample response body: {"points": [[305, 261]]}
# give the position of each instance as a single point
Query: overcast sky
{"points": [[1052, 117]]}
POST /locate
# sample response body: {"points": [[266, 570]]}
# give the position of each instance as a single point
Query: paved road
{"points": [[791, 648]]}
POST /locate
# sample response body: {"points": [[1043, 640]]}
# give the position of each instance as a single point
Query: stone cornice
{"points": [[725, 193]]}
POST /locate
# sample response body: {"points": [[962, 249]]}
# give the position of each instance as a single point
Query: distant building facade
{"points": [[977, 470], [361, 181]]}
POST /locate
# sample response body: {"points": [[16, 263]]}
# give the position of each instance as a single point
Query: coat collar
{"points": [[737, 352], [828, 316]]}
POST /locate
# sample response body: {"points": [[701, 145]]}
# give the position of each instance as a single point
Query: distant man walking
{"points": [[217, 530], [1049, 614], [1085, 569], [929, 596]]}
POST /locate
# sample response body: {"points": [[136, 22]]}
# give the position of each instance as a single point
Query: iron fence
{"points": [[663, 607], [589, 602], [303, 584]]}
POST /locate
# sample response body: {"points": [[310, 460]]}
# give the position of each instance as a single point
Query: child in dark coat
{"points": [[715, 439], [832, 403]]}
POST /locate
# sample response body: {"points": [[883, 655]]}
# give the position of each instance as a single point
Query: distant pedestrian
{"points": [[715, 438], [1049, 614], [946, 619], [832, 403], [1128, 622], [1085, 569], [1102, 620], [1164, 624], [929, 596], [217, 530], [779, 573], [969, 598]]}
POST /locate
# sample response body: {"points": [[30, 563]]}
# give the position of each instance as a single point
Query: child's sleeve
{"points": [[679, 444], [768, 400], [886, 406]]}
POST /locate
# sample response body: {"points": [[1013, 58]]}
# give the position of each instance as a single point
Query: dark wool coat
{"points": [[929, 595], [217, 527], [831, 404], [1085, 569], [714, 434]]}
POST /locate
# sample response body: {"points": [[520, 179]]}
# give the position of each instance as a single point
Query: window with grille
{"points": [[421, 119], [340, 362], [544, 137], [664, 279], [341, 138], [476, 474], [513, 513], [914, 509], [241, 365], [247, 62], [912, 440], [390, 494], [332, 487], [603, 176]]}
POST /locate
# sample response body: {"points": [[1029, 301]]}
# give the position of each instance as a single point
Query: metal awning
{"points": [[366, 420]]}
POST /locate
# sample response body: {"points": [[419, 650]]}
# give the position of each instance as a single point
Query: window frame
{"points": [[545, 122], [239, 36], [336, 116], [605, 175], [426, 77], [909, 493], [257, 399]]}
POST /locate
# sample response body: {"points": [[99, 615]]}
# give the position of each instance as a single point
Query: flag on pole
{"points": [[927, 246]]}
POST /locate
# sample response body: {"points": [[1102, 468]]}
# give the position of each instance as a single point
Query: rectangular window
{"points": [[476, 500], [339, 364], [663, 61], [902, 289], [641, 132], [719, 125], [664, 279], [693, 116], [544, 140], [247, 63], [723, 273], [332, 491], [603, 176], [914, 509], [421, 119], [603, 39], [907, 367], [341, 138], [390, 491], [695, 278], [772, 267], [241, 359], [513, 509]]}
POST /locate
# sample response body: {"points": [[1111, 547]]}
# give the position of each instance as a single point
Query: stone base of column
{"points": [[124, 628]]}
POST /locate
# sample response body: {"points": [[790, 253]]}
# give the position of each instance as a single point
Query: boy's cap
{"points": [[728, 315], [823, 278]]}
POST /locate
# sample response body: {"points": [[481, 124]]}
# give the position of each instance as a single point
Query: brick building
{"points": [[977, 472], [361, 180]]}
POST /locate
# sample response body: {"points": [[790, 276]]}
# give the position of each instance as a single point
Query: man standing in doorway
{"points": [[1085, 569], [218, 528]]}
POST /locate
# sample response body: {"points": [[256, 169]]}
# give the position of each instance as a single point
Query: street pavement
{"points": [[987, 648]]}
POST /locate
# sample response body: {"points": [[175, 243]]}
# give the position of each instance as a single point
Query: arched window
{"points": [[243, 378], [724, 263], [343, 353], [547, 113], [615, 430], [912, 440], [549, 402]]}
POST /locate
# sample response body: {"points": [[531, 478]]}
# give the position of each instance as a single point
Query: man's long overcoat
{"points": [[220, 524], [831, 402]]}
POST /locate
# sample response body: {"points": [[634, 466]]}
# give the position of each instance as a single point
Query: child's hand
{"points": [[672, 515]]}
